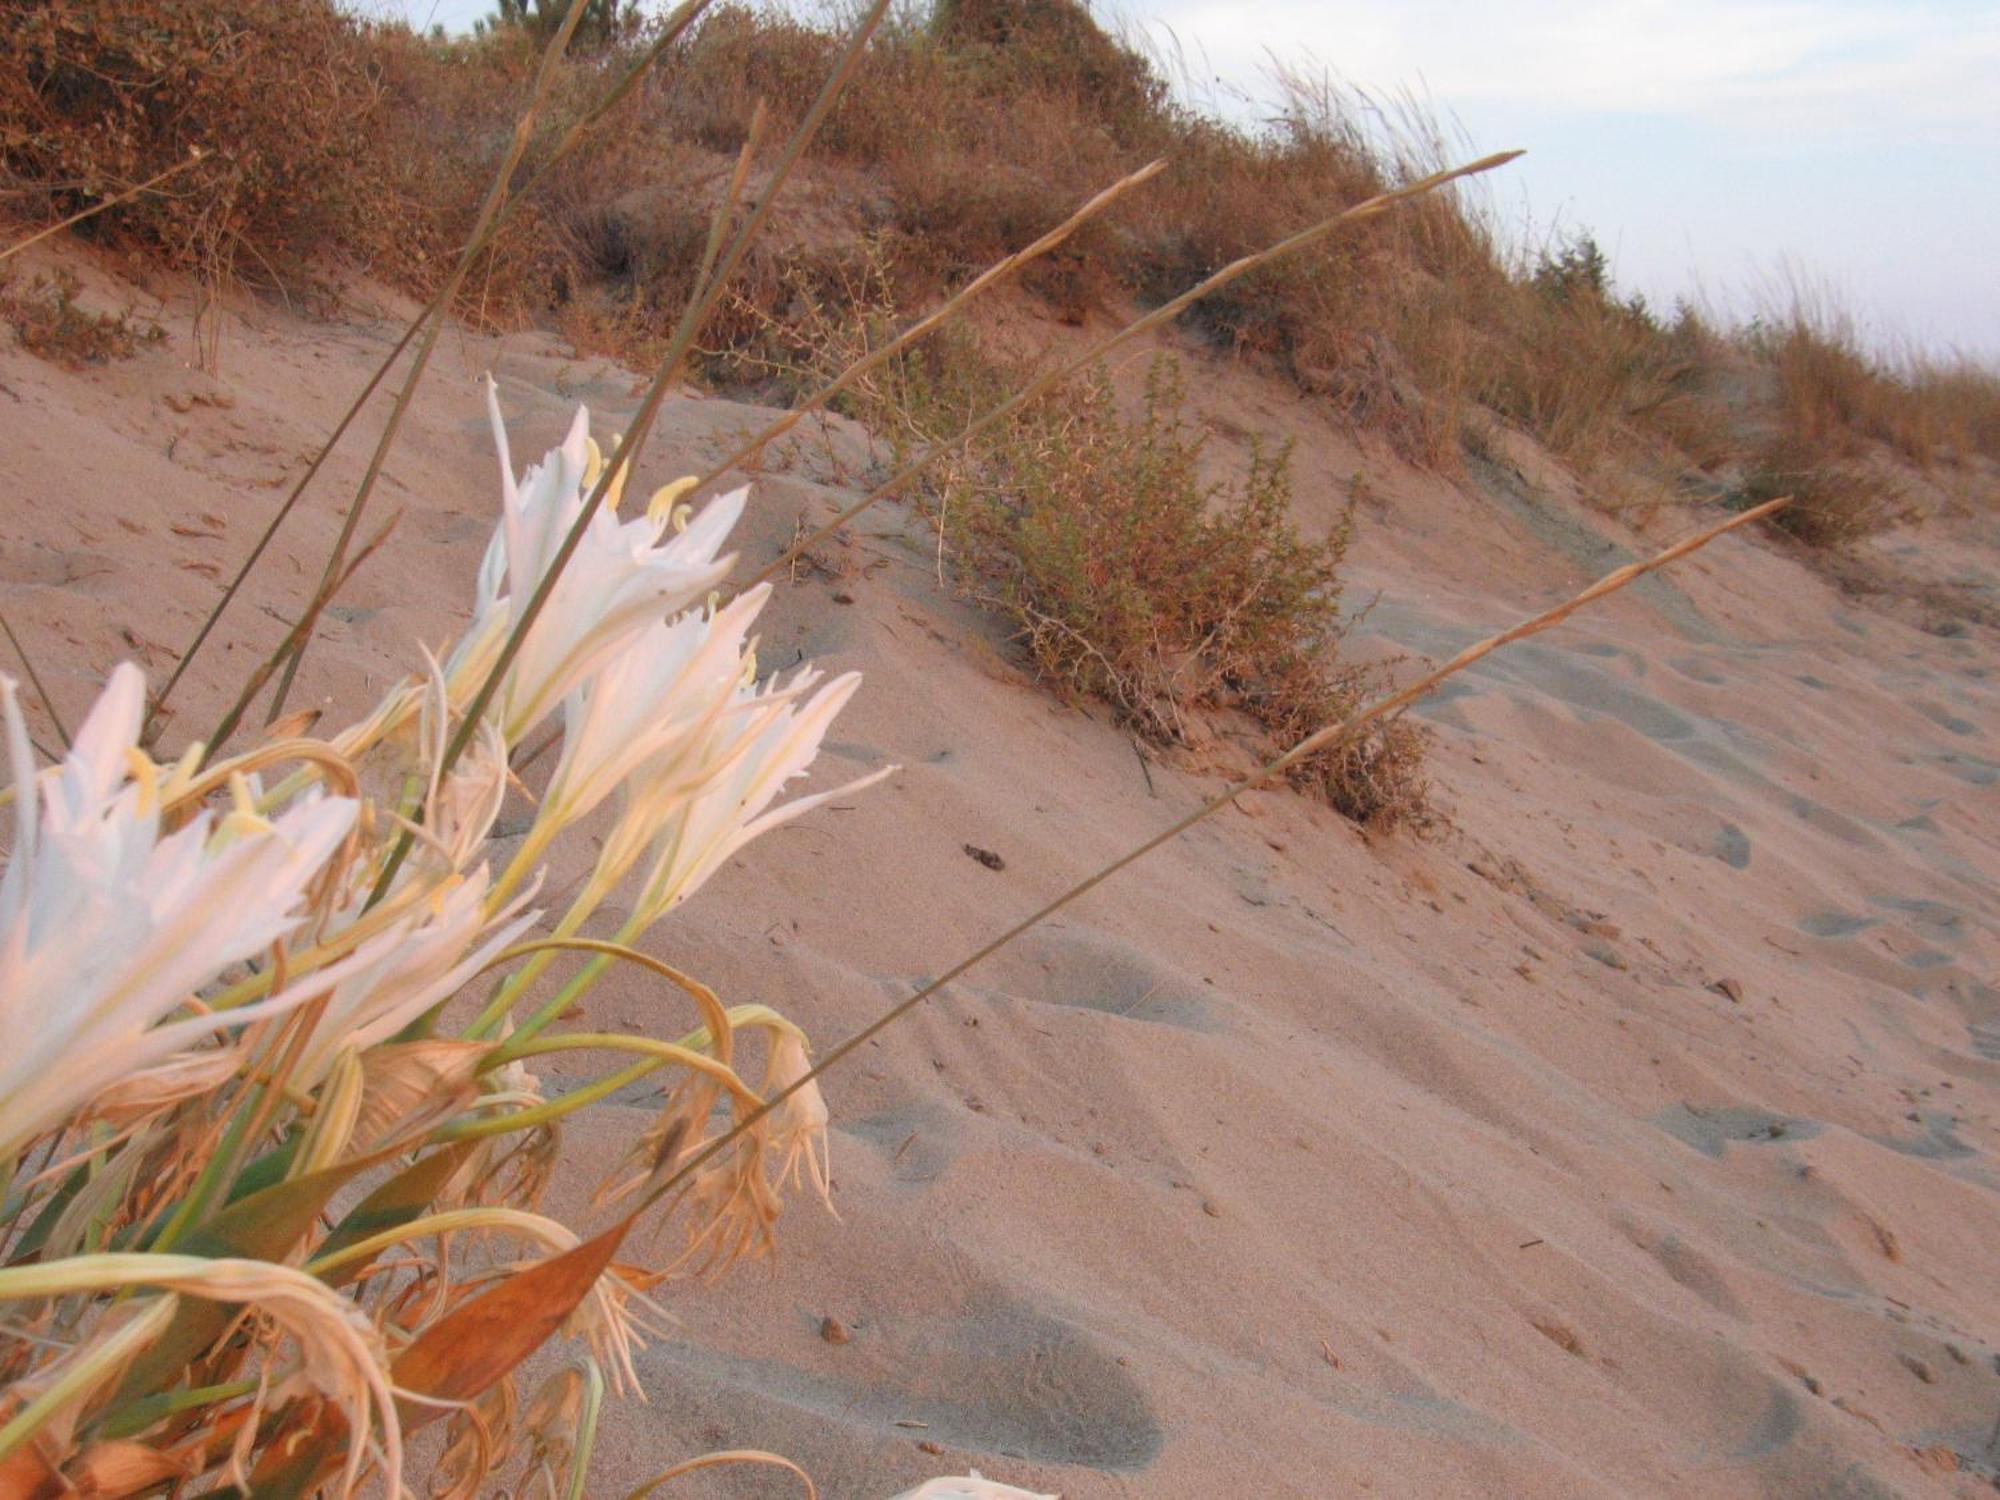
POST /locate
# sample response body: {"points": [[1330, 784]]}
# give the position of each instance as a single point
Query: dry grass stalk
{"points": [[496, 196], [436, 308], [859, 369], [102, 206], [1095, 354]]}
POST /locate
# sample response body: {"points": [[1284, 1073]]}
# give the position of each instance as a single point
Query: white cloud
{"points": [[1826, 66]]}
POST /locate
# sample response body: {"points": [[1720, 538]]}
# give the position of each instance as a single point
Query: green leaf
{"points": [[402, 1198], [265, 1225]]}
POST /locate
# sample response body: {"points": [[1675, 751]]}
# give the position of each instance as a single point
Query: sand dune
{"points": [[1634, 1134]]}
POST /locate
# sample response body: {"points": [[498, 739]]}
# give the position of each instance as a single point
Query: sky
{"points": [[1713, 147]]}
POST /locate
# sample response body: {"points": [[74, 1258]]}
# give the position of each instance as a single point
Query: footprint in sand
{"points": [[1834, 924], [1712, 1128], [1945, 719], [1083, 969], [987, 1375]]}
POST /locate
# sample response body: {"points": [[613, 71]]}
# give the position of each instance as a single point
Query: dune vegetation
{"points": [[272, 1134]]}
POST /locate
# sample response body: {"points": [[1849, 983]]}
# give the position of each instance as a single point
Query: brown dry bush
{"points": [[1186, 606], [285, 97], [1589, 373], [1363, 320], [1130, 580], [1963, 398], [1835, 394], [963, 133], [1836, 501], [967, 134], [50, 323]]}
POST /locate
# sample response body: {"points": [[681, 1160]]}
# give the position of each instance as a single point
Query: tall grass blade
{"points": [[992, 276], [496, 195], [254, 684], [627, 455], [195, 157], [35, 681]]}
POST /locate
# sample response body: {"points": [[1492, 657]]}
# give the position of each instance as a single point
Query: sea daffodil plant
{"points": [[270, 1138]]}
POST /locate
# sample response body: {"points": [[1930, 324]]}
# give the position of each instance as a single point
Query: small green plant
{"points": [[603, 23]]}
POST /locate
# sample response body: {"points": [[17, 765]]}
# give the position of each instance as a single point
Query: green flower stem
{"points": [[547, 1112], [143, 1413]]}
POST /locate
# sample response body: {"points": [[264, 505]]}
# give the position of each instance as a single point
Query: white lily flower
{"points": [[107, 928], [698, 830], [621, 577], [669, 686], [972, 1487]]}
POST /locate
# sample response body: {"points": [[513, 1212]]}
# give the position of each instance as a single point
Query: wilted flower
{"points": [[798, 1129], [340, 1353], [396, 975]]}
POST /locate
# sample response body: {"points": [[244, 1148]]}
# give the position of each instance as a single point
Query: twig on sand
{"points": [[1144, 767], [35, 678]]}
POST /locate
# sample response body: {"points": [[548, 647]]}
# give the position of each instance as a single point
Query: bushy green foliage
{"points": [[1574, 269], [604, 23]]}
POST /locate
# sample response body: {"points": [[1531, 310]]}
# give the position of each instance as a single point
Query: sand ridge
{"points": [[1635, 1134]]}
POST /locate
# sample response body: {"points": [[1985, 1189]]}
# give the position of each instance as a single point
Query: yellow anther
{"points": [[615, 491], [661, 509], [139, 766], [242, 820], [183, 774]]}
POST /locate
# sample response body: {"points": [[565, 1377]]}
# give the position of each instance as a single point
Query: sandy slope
{"points": [[1293, 1164]]}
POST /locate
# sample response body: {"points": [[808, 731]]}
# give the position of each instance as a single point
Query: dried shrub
{"points": [[1131, 580], [1583, 369], [1962, 398], [1835, 502], [1839, 395], [964, 132], [51, 325], [1054, 47], [283, 96]]}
